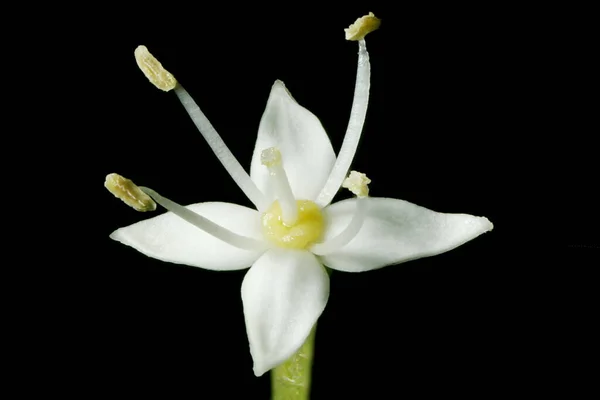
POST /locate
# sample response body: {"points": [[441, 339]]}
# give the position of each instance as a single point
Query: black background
{"points": [[460, 120]]}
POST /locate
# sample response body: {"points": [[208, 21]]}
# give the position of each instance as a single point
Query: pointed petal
{"points": [[396, 231], [305, 147], [170, 238], [284, 293]]}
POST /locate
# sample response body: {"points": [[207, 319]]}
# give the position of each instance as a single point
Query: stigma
{"points": [[271, 158]]}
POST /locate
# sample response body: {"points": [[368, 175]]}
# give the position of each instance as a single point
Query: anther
{"points": [[153, 69], [362, 26], [129, 192], [357, 183]]}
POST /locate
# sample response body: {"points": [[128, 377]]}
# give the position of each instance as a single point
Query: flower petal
{"points": [[396, 231], [169, 238], [304, 145], [284, 293]]}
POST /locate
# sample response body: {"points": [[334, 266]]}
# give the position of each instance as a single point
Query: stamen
{"points": [[271, 158], [345, 236], [163, 80], [358, 113], [231, 164], [357, 183], [239, 241]]}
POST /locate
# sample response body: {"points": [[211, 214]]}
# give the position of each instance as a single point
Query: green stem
{"points": [[291, 380]]}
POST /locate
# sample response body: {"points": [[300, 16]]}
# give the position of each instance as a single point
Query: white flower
{"points": [[295, 230]]}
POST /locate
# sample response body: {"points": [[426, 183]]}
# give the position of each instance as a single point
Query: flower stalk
{"points": [[291, 380]]}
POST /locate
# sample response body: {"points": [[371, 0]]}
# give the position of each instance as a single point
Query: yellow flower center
{"points": [[307, 229]]}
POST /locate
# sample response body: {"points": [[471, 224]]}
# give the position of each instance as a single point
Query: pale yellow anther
{"points": [[153, 69], [307, 230], [357, 183], [270, 157], [364, 25], [127, 191]]}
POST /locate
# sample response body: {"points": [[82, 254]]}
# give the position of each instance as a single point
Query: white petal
{"points": [[305, 147], [169, 238], [396, 231], [284, 293]]}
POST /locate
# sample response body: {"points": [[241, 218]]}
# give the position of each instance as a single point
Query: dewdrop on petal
{"points": [[153, 69], [362, 26], [357, 183], [128, 191]]}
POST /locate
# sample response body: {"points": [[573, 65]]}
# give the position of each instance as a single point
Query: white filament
{"points": [[349, 232], [231, 164], [239, 241], [354, 130]]}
